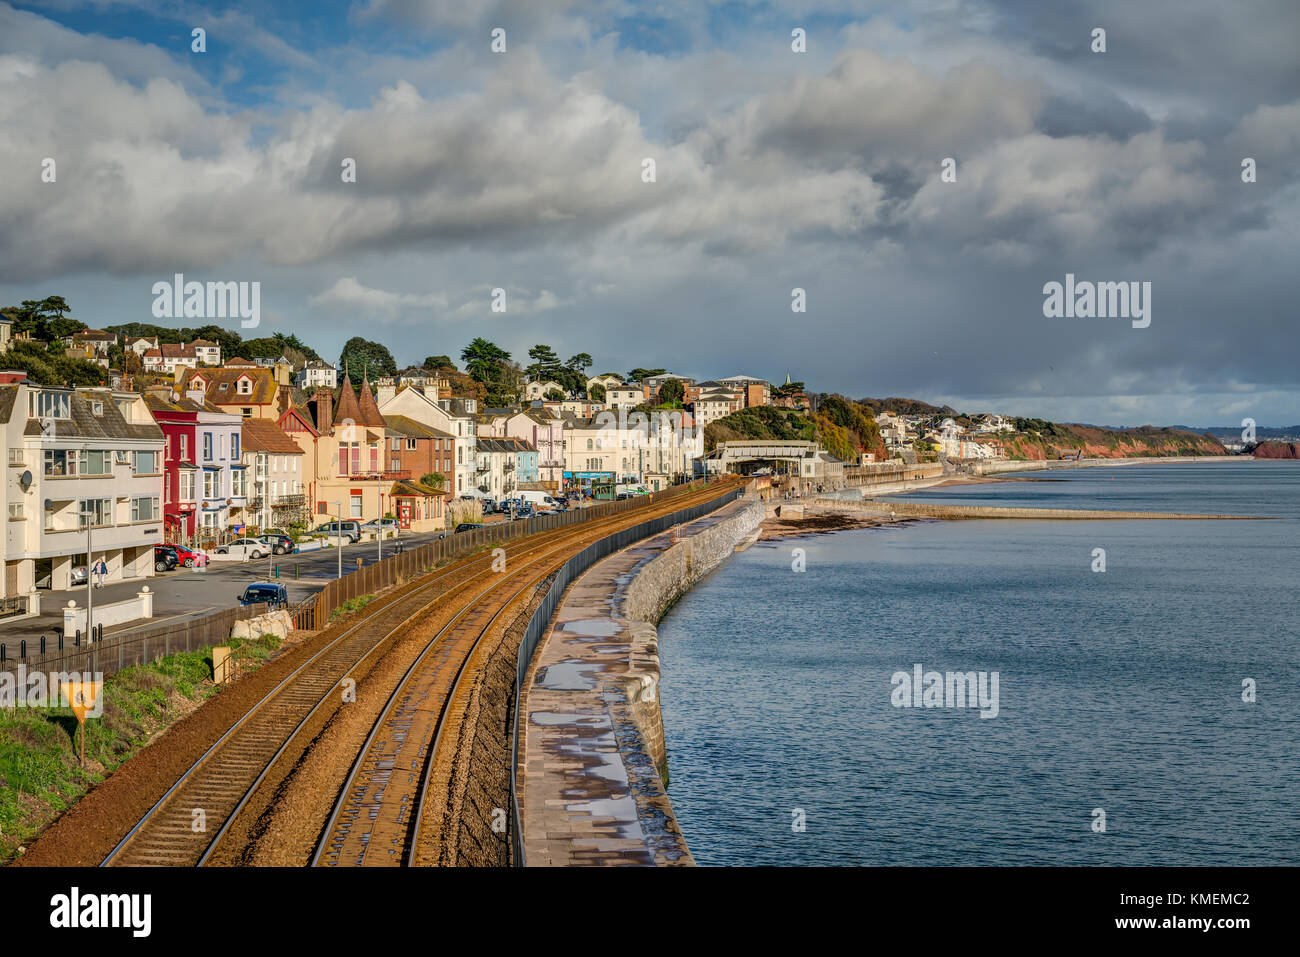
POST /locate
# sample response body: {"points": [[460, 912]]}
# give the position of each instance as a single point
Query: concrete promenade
{"points": [[593, 764]]}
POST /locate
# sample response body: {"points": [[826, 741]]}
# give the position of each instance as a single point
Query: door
{"points": [[404, 514]]}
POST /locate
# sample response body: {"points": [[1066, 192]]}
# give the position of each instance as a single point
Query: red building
{"points": [[200, 439]]}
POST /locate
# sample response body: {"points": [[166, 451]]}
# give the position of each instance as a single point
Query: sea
{"points": [[1147, 696]]}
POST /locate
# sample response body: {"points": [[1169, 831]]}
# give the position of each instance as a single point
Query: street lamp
{"points": [[89, 512]]}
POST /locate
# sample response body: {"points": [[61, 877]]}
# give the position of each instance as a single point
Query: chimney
{"points": [[323, 413]]}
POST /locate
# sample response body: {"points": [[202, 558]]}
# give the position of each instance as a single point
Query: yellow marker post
{"points": [[81, 695]]}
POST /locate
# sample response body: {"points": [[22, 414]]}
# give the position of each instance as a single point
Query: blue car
{"points": [[277, 596]]}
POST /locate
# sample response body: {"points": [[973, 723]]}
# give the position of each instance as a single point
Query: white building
{"points": [[631, 448], [623, 396], [538, 390], [457, 417], [73, 454], [169, 357], [208, 353], [317, 374]]}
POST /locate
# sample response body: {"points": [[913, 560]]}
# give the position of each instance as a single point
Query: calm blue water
{"points": [[1118, 690]]}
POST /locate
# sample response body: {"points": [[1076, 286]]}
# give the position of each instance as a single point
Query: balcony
{"points": [[390, 475]]}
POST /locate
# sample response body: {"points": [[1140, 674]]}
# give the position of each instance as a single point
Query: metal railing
{"points": [[540, 623], [315, 612], [108, 654]]}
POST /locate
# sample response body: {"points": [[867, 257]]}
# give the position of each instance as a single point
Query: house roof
{"points": [[405, 425], [405, 487], [204, 342], [235, 362], [160, 403], [369, 408], [82, 422], [263, 435], [264, 385]]}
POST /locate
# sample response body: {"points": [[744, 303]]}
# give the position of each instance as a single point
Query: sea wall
{"points": [[594, 765]]}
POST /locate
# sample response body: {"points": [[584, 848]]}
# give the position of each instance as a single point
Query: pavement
{"points": [[187, 591]]}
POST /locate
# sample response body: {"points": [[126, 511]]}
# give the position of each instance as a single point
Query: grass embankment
{"points": [[40, 772], [351, 605]]}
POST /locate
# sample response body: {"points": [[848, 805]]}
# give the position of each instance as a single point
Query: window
{"points": [[234, 446], [61, 461], [144, 509], [101, 510], [245, 386], [589, 445], [187, 485], [51, 405], [238, 483], [15, 509], [209, 483], [356, 506], [16, 457], [146, 463], [410, 445], [246, 413], [95, 462], [396, 464], [209, 520], [207, 446], [185, 447], [397, 444]]}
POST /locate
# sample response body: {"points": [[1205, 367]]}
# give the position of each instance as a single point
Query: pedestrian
{"points": [[101, 570]]}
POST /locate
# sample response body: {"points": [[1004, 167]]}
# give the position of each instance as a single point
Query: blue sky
{"points": [[776, 170]]}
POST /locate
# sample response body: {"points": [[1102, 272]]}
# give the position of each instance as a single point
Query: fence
{"points": [[315, 612], [110, 654], [541, 620]]}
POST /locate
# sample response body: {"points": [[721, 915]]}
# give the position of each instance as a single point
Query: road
{"points": [[186, 591]]}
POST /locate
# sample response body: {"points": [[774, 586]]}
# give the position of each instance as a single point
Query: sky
{"points": [[774, 170]]}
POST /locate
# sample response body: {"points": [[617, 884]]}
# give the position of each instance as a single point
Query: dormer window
{"points": [[223, 387], [245, 386], [97, 407]]}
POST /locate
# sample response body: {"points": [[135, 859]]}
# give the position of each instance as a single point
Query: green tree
{"points": [[580, 363], [596, 393], [361, 357], [555, 395], [46, 367], [545, 364], [291, 343], [63, 327], [483, 361], [438, 362], [433, 480], [671, 392], [636, 375]]}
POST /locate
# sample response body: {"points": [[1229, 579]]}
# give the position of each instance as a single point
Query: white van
{"points": [[539, 500]]}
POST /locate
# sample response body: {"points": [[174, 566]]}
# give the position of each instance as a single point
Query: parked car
{"points": [[164, 559], [253, 547], [387, 524], [281, 544], [272, 593], [527, 511], [187, 556], [350, 530], [78, 576], [467, 526]]}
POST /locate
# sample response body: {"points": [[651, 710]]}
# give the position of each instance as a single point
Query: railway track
{"points": [[378, 816], [192, 818]]}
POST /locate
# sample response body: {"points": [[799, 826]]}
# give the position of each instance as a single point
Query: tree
{"points": [[555, 395], [596, 393], [291, 343], [545, 364], [580, 362], [671, 392], [438, 362], [361, 357], [46, 367], [636, 375], [433, 480], [61, 328], [482, 361]]}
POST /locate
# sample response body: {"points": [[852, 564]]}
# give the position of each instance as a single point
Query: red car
{"points": [[188, 558]]}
